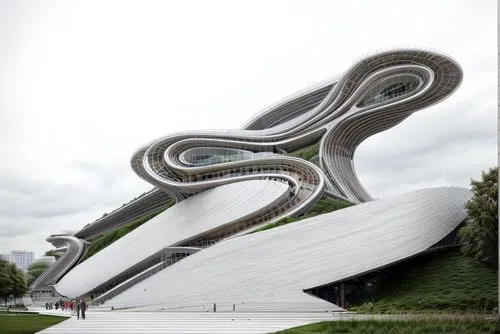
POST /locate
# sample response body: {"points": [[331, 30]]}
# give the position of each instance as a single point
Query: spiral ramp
{"points": [[226, 183]]}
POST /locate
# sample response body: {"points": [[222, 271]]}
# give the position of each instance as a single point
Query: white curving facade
{"points": [[191, 219], [74, 248], [227, 183], [269, 270]]}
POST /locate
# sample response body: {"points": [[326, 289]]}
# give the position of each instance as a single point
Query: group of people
{"points": [[81, 306], [70, 305], [64, 305]]}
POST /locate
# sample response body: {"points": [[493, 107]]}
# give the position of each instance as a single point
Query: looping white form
{"points": [[252, 164], [375, 94]]}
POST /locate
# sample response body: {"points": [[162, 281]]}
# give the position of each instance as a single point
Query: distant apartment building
{"points": [[22, 259], [5, 257]]}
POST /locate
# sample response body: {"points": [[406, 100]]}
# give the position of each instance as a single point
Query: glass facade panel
{"points": [[390, 89]]}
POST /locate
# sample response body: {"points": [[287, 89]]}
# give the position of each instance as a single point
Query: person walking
{"points": [[78, 305], [84, 308]]}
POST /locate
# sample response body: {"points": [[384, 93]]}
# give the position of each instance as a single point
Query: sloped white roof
{"points": [[269, 270], [200, 213]]}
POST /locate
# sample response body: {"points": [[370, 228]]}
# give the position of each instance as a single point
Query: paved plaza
{"points": [[182, 322]]}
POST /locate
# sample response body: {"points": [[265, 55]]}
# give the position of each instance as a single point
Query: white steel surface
{"points": [[75, 249], [269, 270], [201, 213], [374, 94]]}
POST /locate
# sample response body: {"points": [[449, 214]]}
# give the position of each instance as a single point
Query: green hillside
{"points": [[307, 153], [420, 326], [442, 281]]}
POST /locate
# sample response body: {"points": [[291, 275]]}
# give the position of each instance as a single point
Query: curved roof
{"points": [[151, 201], [270, 269], [374, 94], [194, 216], [75, 249]]}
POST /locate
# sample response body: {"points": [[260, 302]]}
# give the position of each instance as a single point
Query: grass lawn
{"points": [[397, 327], [307, 153], [26, 323], [445, 281]]}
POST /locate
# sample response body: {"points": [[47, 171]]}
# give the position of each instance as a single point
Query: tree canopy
{"points": [[12, 282], [480, 235], [35, 270]]}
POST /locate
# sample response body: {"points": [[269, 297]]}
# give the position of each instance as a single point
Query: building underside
{"points": [[227, 183]]}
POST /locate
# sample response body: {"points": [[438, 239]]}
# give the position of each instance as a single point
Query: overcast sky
{"points": [[84, 83]]}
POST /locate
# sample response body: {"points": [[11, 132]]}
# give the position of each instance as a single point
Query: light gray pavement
{"points": [[106, 322], [182, 322]]}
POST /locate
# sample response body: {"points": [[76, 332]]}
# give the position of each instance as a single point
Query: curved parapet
{"points": [[75, 249], [378, 93], [270, 270], [373, 95]]}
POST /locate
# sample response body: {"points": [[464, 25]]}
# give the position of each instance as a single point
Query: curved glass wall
{"points": [[204, 156], [391, 88]]}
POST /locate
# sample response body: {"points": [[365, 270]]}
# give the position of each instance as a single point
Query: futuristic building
{"points": [[228, 183]]}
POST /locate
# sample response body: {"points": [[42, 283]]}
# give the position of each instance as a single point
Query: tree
{"points": [[35, 270], [6, 282], [19, 287], [12, 282], [480, 235]]}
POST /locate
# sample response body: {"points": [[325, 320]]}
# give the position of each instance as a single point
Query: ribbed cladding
{"points": [[289, 110], [152, 201], [362, 69], [195, 216], [167, 171], [278, 264], [324, 104], [75, 250], [166, 252], [261, 117], [328, 102], [137, 164], [342, 139]]}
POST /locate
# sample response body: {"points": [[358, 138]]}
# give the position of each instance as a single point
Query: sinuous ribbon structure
{"points": [[373, 95]]}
